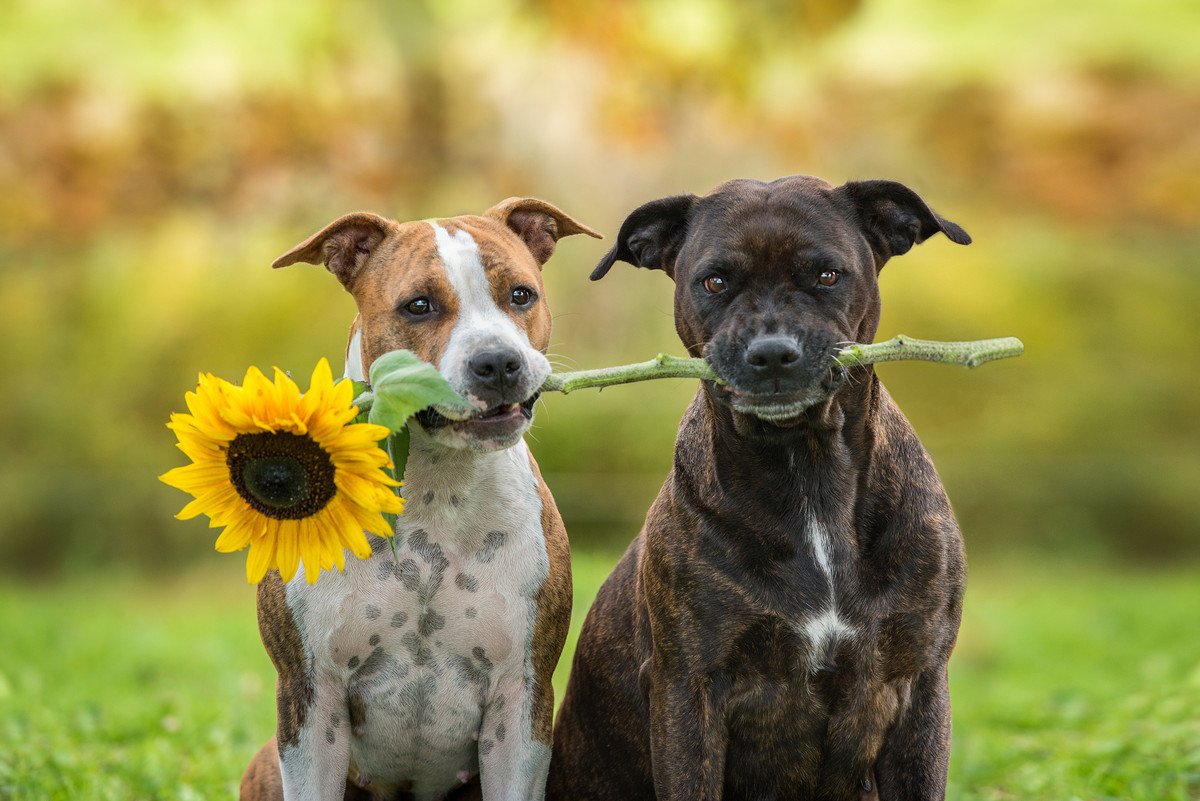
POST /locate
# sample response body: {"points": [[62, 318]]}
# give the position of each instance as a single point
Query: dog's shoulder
{"points": [[553, 600], [902, 468], [276, 624]]}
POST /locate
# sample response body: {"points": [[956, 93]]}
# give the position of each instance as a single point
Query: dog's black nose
{"points": [[773, 356], [494, 368]]}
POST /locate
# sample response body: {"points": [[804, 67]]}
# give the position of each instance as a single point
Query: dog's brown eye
{"points": [[418, 307], [715, 284], [522, 296], [827, 277]]}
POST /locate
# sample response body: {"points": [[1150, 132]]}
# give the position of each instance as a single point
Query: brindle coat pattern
{"points": [[698, 674]]}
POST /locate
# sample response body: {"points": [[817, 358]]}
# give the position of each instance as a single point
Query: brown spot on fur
{"points": [[294, 689], [553, 611], [358, 714]]}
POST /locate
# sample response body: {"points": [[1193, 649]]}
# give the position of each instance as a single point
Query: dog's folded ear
{"points": [[343, 246], [651, 236], [894, 218], [539, 224]]}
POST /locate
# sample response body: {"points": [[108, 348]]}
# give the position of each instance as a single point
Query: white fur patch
{"points": [[354, 359], [480, 321], [818, 540], [822, 633], [823, 630]]}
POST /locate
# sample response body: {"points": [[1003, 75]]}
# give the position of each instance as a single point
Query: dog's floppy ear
{"points": [[894, 218], [538, 223], [343, 246], [651, 236]]}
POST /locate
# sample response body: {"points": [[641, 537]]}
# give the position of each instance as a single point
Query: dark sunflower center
{"points": [[285, 476], [276, 481]]}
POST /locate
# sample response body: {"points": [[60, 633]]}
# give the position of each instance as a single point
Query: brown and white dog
{"points": [[429, 676]]}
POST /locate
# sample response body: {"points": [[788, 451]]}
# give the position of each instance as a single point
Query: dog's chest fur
{"points": [[422, 639]]}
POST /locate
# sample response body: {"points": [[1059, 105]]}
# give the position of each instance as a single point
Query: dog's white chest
{"points": [[822, 630], [422, 639]]}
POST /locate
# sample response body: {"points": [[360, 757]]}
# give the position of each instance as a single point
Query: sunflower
{"points": [[282, 471]]}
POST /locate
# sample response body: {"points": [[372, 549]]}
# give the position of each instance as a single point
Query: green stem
{"points": [[970, 353], [397, 445], [899, 348], [661, 366]]}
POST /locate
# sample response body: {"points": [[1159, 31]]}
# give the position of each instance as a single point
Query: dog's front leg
{"points": [[314, 738], [513, 762], [687, 732], [916, 753]]}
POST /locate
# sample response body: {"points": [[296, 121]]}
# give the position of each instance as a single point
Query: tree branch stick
{"points": [[899, 348]]}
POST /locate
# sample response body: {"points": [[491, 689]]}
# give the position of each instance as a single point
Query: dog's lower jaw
{"points": [[496, 430], [463, 436], [767, 413], [784, 414]]}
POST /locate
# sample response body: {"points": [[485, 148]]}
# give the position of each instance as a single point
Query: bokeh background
{"points": [[156, 156]]}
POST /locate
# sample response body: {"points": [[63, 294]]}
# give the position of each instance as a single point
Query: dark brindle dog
{"points": [[780, 628]]}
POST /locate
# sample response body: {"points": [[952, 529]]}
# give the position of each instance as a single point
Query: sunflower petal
{"points": [[260, 559], [236, 536], [310, 550]]}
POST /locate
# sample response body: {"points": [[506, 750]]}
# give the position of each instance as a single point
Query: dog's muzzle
{"points": [[433, 418], [774, 379]]}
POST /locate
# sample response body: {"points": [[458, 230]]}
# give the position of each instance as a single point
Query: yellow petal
{"points": [[330, 542], [287, 552], [261, 557], [349, 528], [310, 550], [371, 521], [196, 478], [235, 537], [357, 490], [391, 503]]}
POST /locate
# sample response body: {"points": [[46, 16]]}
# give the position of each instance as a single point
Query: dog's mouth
{"points": [[782, 408], [483, 421], [776, 407]]}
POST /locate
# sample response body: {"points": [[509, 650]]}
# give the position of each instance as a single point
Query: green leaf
{"points": [[404, 385]]}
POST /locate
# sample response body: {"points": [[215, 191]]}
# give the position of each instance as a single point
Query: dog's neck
{"points": [[433, 466], [816, 464]]}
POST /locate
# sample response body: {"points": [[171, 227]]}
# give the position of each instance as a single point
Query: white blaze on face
{"points": [[481, 324]]}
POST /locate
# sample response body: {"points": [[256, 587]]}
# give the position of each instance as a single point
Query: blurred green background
{"points": [[156, 156]]}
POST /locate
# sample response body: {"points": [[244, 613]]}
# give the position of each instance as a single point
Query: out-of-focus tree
{"points": [[155, 158]]}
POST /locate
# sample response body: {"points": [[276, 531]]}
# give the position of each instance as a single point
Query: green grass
{"points": [[1070, 682]]}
